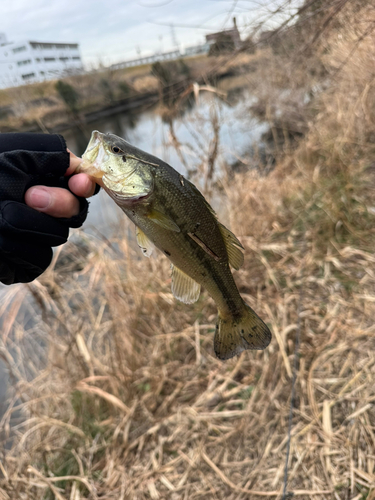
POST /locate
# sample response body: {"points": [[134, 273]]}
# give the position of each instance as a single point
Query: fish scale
{"points": [[172, 215], [182, 200]]}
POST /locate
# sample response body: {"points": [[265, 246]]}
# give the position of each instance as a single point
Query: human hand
{"points": [[59, 202], [26, 234]]}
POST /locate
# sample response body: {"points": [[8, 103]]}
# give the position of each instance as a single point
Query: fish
{"points": [[171, 214]]}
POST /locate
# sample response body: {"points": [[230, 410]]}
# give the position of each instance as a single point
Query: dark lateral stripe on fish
{"points": [[204, 246], [209, 267]]}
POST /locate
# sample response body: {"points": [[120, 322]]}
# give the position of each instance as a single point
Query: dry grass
{"points": [[122, 395]]}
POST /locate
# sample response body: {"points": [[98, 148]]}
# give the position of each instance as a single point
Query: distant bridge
{"points": [[163, 56]]}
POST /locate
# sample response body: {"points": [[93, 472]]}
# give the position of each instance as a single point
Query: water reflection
{"points": [[148, 129], [185, 149]]}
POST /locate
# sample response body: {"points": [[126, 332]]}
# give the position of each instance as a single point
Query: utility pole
{"points": [[174, 38], [161, 44]]}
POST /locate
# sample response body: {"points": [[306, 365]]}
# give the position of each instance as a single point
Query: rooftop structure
{"points": [[33, 61], [232, 32]]}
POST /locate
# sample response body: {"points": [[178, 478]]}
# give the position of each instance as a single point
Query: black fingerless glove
{"points": [[26, 235]]}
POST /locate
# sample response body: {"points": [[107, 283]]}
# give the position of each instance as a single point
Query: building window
{"points": [[76, 58], [41, 72], [49, 59], [64, 58], [61, 46], [22, 63], [28, 75], [19, 49], [37, 59]]}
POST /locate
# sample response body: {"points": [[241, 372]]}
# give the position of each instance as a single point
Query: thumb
{"points": [[57, 202]]}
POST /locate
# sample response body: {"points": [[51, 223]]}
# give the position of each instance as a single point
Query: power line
{"points": [[161, 4], [196, 26], [234, 5]]}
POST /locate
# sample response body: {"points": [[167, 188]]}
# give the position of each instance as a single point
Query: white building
{"points": [[29, 61]]}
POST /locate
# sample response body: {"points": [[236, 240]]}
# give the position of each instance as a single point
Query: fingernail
{"points": [[40, 198]]}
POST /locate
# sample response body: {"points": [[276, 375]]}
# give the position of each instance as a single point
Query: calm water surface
{"points": [[193, 131]]}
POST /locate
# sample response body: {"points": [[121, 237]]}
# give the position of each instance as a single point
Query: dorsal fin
{"points": [[233, 246], [144, 243], [184, 288]]}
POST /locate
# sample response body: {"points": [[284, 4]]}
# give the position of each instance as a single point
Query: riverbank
{"points": [[40, 108]]}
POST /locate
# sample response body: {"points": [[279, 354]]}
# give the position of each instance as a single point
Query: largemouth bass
{"points": [[171, 214]]}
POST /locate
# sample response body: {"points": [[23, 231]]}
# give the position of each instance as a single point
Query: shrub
{"points": [[68, 94]]}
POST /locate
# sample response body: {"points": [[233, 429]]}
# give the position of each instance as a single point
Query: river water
{"points": [[193, 132]]}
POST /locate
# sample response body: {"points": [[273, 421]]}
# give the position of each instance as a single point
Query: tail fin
{"points": [[236, 334]]}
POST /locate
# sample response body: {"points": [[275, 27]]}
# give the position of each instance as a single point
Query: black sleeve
{"points": [[26, 235]]}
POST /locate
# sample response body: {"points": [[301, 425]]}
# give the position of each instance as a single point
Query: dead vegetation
{"points": [[121, 394]]}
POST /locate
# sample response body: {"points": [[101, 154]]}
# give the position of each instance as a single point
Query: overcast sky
{"points": [[116, 30]]}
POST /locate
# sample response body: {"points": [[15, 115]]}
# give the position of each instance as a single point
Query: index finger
{"points": [[82, 185], [74, 163]]}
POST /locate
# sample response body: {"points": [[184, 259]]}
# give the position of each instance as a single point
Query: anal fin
{"points": [[184, 288]]}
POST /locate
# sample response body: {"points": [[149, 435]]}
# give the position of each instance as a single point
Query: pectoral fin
{"points": [[163, 220], [144, 243], [184, 288], [233, 246]]}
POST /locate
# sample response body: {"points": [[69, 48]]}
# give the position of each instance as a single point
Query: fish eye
{"points": [[115, 149]]}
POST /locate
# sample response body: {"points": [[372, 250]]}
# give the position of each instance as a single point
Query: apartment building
{"points": [[31, 61]]}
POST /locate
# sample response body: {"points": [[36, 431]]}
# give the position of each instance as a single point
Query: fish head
{"points": [[118, 167]]}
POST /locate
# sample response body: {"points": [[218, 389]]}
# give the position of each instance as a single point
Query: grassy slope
{"points": [[131, 402]]}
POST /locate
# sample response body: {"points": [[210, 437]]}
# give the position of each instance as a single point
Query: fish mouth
{"points": [[95, 140], [93, 156], [127, 201]]}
